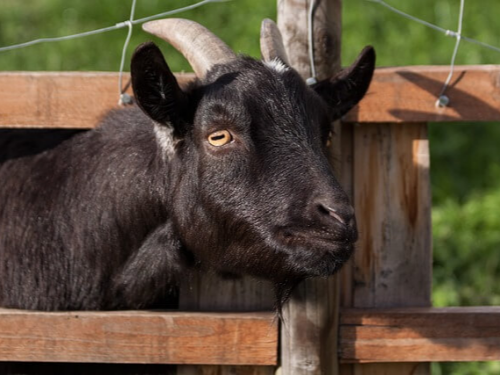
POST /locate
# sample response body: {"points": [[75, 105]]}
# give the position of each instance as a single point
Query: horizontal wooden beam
{"points": [[403, 94], [139, 337], [75, 100], [409, 94], [366, 336], [420, 334]]}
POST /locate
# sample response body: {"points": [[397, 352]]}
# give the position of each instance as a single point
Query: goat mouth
{"points": [[316, 253], [310, 237]]}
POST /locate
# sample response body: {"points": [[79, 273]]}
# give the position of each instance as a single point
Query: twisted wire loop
{"points": [[310, 39], [124, 97], [443, 100]]}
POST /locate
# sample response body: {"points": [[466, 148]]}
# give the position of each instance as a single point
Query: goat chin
{"points": [[317, 253], [317, 257]]}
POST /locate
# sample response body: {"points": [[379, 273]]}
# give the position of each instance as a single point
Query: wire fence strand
{"points": [[434, 27], [117, 26], [124, 98], [442, 100]]}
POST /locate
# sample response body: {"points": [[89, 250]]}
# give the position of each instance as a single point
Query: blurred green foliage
{"points": [[237, 22], [465, 234], [465, 158]]}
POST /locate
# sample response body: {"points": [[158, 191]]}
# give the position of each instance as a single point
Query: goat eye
{"points": [[220, 138]]}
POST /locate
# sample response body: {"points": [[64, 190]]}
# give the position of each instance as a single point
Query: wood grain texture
{"points": [[309, 330], [292, 22], [393, 204], [208, 292], [346, 159], [138, 337], [59, 100], [420, 334], [408, 94], [392, 263], [400, 95]]}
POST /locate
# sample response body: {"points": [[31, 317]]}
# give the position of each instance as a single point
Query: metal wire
{"points": [[443, 100], [119, 25], [435, 27], [125, 98], [310, 36]]}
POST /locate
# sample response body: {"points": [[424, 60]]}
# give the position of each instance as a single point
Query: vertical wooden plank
{"points": [[293, 24], [393, 259], [208, 292], [347, 179], [392, 197], [309, 330]]}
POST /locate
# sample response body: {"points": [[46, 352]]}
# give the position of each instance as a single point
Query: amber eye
{"points": [[220, 138]]}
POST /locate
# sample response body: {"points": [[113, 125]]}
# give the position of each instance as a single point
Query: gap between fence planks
{"points": [[403, 94], [139, 337], [420, 334]]}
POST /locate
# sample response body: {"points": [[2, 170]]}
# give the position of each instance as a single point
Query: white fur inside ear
{"points": [[165, 138], [277, 65]]}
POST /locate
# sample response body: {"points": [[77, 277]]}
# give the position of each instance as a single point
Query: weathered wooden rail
{"points": [[397, 95], [420, 335], [139, 337], [366, 336]]}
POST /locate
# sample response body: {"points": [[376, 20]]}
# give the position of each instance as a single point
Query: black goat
{"points": [[228, 175]]}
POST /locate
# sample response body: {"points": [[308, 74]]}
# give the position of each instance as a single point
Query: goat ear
{"points": [[156, 90], [347, 88]]}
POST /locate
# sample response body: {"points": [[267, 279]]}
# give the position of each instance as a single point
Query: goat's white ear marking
{"points": [[165, 138], [277, 65]]}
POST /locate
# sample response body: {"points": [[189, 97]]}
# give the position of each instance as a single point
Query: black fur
{"points": [[115, 217]]}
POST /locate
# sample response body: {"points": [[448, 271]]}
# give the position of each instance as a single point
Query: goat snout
{"points": [[329, 214]]}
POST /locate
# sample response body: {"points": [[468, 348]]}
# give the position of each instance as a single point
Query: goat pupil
{"points": [[218, 137]]}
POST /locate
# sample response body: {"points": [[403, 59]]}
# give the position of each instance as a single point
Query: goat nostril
{"points": [[325, 210]]}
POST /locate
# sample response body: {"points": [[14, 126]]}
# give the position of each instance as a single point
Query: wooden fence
{"points": [[374, 318], [386, 322]]}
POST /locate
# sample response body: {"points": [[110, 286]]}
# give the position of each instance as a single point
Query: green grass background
{"points": [[465, 158]]}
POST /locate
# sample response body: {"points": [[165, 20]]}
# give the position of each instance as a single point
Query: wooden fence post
{"points": [[393, 259], [309, 330]]}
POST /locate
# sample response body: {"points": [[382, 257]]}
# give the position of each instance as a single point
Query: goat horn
{"points": [[271, 42], [198, 45]]}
